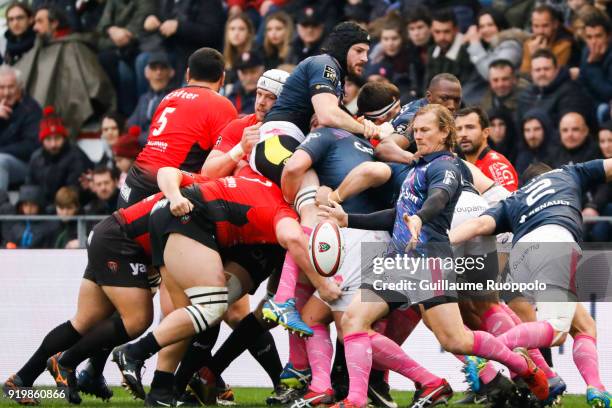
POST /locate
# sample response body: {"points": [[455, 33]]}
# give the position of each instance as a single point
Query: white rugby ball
{"points": [[326, 248]]}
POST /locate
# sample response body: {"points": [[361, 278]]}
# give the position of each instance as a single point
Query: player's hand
{"points": [[414, 224], [370, 130], [335, 213], [168, 28], [386, 129], [152, 23], [5, 110], [322, 197], [250, 137], [329, 290], [180, 206], [119, 36]]}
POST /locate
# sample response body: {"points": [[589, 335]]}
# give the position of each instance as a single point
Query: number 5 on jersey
{"points": [[162, 121]]}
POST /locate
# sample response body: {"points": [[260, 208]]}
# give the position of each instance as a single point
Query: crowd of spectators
{"points": [[542, 69]]}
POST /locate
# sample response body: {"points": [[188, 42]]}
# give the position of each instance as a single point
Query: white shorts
{"points": [[349, 275], [469, 206], [278, 128]]}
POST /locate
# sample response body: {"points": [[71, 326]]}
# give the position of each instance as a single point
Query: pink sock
{"points": [[358, 353], [587, 361], [320, 352], [496, 321], [489, 347], [487, 374], [297, 346], [289, 276], [531, 335], [387, 355], [401, 323]]}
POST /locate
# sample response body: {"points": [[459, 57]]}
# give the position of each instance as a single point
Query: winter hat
{"points": [[51, 124], [127, 145], [342, 38]]}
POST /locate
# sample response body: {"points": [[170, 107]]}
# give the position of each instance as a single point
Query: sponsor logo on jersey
{"points": [[330, 73], [185, 219], [363, 148], [449, 177], [112, 266], [138, 268], [324, 247]]}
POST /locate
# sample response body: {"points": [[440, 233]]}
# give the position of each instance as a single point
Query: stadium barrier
{"points": [[38, 290]]}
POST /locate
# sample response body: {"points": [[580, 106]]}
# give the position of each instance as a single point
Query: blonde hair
{"points": [[232, 53], [283, 49], [446, 122]]}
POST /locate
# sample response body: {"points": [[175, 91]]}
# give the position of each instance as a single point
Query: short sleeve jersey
{"points": [[135, 218], [334, 153], [244, 210], [184, 129], [551, 198], [401, 123], [314, 75], [498, 168], [436, 170]]}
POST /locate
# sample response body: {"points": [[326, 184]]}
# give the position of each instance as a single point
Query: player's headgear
{"points": [[342, 38], [273, 80]]}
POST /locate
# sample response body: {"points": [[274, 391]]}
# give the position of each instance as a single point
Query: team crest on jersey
{"points": [[112, 266], [185, 219], [218, 142], [330, 73], [324, 247]]}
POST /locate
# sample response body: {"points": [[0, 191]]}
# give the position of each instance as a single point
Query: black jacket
{"points": [[53, 172], [527, 156], [562, 95], [17, 46], [588, 151], [19, 134], [102, 207]]}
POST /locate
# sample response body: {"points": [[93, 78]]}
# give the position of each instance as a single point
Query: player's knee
{"points": [[584, 323], [137, 323], [235, 313], [208, 304], [456, 344], [352, 322], [379, 172]]}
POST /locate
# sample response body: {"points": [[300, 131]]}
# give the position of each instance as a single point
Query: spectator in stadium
{"points": [[504, 87], [391, 58], [66, 205], [449, 54], [62, 70], [418, 21], [113, 125], [20, 34], [119, 29], [239, 38], [159, 74], [537, 132], [577, 146], [67, 8], [180, 28], [242, 93], [104, 186], [57, 163], [19, 120], [601, 202], [548, 32], [503, 137], [352, 86], [492, 40], [553, 90], [596, 63], [30, 234], [277, 39], [473, 130], [125, 152], [255, 9], [310, 28]]}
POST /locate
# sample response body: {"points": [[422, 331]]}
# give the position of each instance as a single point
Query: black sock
{"points": [[547, 354], [248, 328], [97, 361], [58, 339], [106, 334], [197, 356], [264, 351], [377, 376], [339, 372], [162, 380], [144, 348]]}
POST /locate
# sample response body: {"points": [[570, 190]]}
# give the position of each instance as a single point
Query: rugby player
{"points": [[547, 210]]}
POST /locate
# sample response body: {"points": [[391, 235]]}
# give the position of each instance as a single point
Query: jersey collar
{"points": [[432, 156], [484, 152]]}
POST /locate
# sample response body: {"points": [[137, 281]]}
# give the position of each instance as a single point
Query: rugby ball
{"points": [[326, 248]]}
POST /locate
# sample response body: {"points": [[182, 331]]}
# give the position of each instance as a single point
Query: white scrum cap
{"points": [[273, 80]]}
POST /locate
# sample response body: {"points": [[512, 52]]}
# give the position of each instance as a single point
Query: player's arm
{"points": [[364, 176], [329, 114], [483, 225], [293, 174], [169, 181], [608, 169], [393, 149], [290, 236], [222, 160]]}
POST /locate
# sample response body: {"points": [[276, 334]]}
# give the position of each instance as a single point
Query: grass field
{"points": [[249, 397]]}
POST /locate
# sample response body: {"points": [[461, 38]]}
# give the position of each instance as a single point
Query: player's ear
{"points": [[187, 75]]}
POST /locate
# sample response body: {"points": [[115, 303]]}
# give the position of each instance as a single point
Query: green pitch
{"points": [[247, 397]]}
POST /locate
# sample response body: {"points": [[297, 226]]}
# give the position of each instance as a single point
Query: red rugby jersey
{"points": [[184, 129], [498, 168], [231, 136]]}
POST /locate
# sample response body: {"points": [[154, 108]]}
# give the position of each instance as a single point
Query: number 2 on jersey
{"points": [[162, 121], [535, 191]]}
